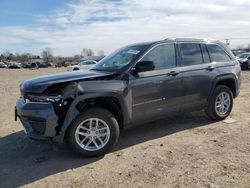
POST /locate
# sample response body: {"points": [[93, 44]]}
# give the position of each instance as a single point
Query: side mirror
{"points": [[143, 66]]}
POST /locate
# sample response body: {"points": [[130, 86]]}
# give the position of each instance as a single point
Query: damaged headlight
{"points": [[44, 98]]}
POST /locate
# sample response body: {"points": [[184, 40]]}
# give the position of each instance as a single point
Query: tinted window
{"points": [[217, 53], [191, 54], [163, 56], [206, 58]]}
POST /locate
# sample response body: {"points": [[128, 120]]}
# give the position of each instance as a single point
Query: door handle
{"points": [[172, 73], [210, 68]]}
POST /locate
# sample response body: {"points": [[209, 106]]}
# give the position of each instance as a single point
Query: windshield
{"points": [[120, 58], [244, 55]]}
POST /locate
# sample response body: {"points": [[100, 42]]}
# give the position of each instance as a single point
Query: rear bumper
{"points": [[38, 119]]}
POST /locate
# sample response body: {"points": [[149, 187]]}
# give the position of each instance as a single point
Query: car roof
{"points": [[247, 53], [178, 40]]}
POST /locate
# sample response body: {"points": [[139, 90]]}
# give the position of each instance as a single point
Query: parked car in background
{"points": [[82, 65], [95, 58], [3, 65], [238, 52], [14, 65], [244, 60], [134, 85], [35, 65]]}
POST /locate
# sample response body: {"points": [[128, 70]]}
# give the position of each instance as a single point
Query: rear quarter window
{"points": [[217, 53]]}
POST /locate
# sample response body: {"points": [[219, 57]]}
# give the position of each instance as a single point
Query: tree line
{"points": [[47, 56], [243, 48]]}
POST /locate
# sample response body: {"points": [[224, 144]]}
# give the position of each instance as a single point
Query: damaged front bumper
{"points": [[39, 119]]}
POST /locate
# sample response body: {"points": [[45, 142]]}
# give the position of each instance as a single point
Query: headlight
{"points": [[43, 98]]}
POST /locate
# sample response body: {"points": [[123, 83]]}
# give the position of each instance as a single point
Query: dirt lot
{"points": [[183, 151]]}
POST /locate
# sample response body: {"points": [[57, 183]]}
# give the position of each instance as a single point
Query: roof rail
{"points": [[185, 39]]}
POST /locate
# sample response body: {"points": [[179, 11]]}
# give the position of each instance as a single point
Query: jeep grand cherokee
{"points": [[135, 84]]}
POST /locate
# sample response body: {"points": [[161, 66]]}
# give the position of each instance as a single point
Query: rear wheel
{"points": [[221, 103], [94, 132]]}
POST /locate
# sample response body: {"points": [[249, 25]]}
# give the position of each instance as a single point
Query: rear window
{"points": [[190, 54], [217, 53]]}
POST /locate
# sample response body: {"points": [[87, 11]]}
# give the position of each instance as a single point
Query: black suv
{"points": [[135, 84]]}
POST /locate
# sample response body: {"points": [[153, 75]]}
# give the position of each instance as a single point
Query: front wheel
{"points": [[93, 133], [221, 103]]}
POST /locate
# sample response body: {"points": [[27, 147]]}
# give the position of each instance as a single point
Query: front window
{"points": [[120, 58], [163, 56]]}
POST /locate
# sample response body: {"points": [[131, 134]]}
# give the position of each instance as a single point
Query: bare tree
{"points": [[240, 47], [7, 55], [84, 52], [47, 55], [24, 57], [101, 53], [87, 52], [76, 57]]}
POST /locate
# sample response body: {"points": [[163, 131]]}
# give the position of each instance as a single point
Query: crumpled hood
{"points": [[40, 84]]}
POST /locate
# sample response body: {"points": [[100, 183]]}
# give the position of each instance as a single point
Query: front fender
{"points": [[123, 96]]}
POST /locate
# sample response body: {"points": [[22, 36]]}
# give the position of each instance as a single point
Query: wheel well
{"points": [[229, 83], [75, 68], [109, 103]]}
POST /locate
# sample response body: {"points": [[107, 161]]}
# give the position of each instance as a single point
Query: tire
{"points": [[106, 122], [75, 69], [212, 111], [244, 66]]}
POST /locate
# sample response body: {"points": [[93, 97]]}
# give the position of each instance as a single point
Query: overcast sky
{"points": [[67, 26]]}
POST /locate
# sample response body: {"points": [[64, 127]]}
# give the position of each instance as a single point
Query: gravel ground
{"points": [[183, 151]]}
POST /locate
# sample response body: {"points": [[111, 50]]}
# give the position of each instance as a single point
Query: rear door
{"points": [[157, 92], [197, 72]]}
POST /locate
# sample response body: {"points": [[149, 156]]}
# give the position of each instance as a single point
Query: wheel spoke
{"points": [[90, 124], [96, 124], [102, 134], [218, 105], [100, 140], [84, 139], [89, 142], [84, 128], [96, 145], [102, 129], [81, 133]]}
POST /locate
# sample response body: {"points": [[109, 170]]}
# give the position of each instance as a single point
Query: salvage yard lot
{"points": [[183, 151]]}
